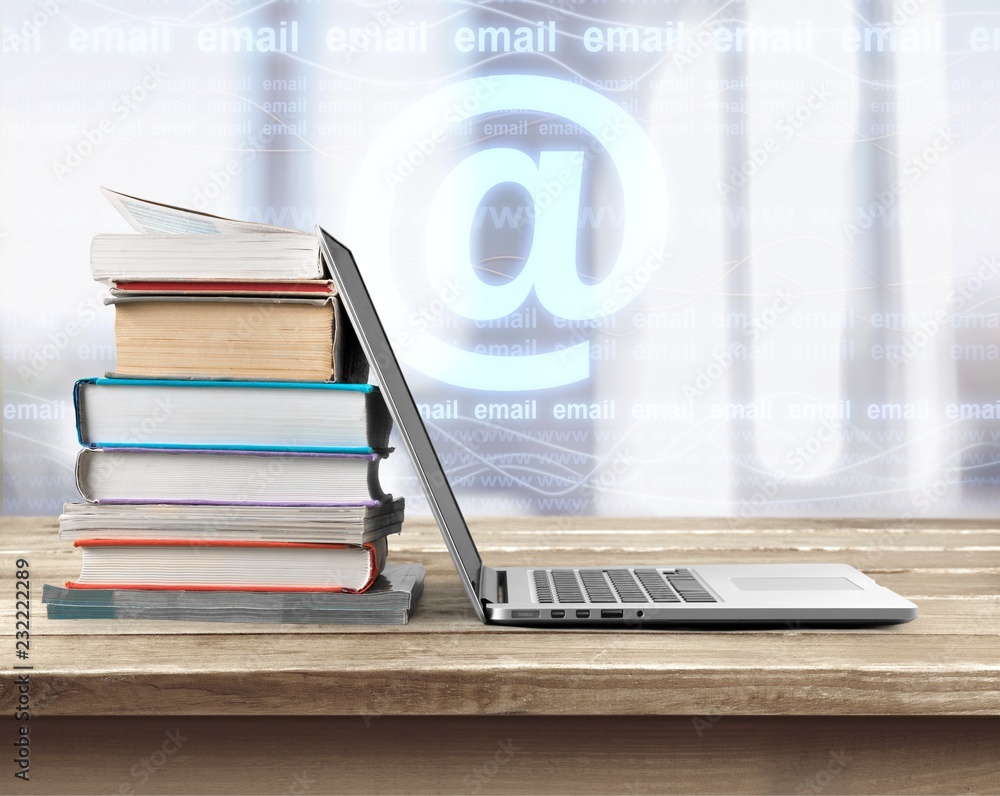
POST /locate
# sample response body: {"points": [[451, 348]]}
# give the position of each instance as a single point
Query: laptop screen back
{"points": [[360, 309]]}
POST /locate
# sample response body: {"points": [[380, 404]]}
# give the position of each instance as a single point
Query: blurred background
{"points": [[638, 258]]}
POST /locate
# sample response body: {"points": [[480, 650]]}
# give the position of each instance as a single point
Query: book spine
{"points": [[350, 362], [378, 420], [78, 413], [72, 584], [111, 381], [215, 447], [80, 473]]}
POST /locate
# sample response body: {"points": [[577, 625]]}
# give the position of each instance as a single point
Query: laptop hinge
{"points": [[492, 585]]}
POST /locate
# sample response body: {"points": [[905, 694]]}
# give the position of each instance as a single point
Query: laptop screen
{"points": [[358, 305]]}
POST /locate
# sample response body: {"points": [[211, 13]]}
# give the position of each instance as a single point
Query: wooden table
{"points": [[445, 704]]}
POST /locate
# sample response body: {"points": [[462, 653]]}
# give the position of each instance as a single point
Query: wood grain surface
{"points": [[448, 705], [446, 663], [514, 755]]}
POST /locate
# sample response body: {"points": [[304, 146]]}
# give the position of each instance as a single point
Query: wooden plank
{"points": [[513, 755], [501, 543], [67, 566], [585, 532], [419, 539], [416, 521], [944, 662], [543, 673], [502, 524]]}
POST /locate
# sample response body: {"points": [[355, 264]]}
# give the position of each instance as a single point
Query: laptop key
{"points": [[543, 591], [597, 587], [567, 587], [628, 588], [689, 589], [658, 589]]}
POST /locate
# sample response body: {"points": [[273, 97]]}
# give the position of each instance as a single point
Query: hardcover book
{"points": [[264, 478], [234, 337], [227, 565], [293, 416], [331, 524]]}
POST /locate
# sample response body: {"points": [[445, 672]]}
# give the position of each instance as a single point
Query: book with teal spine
{"points": [[316, 417]]}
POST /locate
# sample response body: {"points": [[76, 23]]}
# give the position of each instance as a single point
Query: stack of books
{"points": [[230, 462]]}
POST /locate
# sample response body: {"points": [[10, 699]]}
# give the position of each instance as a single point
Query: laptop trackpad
{"points": [[794, 584]]}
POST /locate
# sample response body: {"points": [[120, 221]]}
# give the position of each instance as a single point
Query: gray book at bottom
{"points": [[390, 600], [390, 616]]}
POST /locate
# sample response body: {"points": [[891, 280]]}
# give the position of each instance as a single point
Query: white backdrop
{"points": [[698, 258]]}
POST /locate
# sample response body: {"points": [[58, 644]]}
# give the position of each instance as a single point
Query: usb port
{"points": [[583, 614], [612, 614], [558, 614]]}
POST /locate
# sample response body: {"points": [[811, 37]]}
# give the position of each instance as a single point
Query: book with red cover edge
{"points": [[323, 288], [372, 565]]}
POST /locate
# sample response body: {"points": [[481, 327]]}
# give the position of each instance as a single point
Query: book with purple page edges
{"points": [[228, 476]]}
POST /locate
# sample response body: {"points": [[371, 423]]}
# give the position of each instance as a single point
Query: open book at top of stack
{"points": [[173, 248], [258, 299], [235, 448]]}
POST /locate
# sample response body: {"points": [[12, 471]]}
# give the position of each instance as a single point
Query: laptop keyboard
{"points": [[618, 586]]}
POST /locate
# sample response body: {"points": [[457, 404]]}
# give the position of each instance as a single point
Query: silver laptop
{"points": [[644, 595]]}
